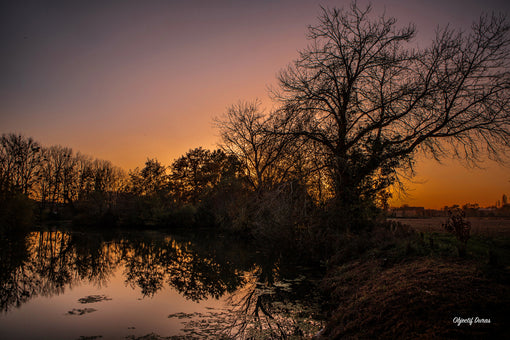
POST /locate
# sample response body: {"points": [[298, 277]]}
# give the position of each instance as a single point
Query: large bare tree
{"points": [[372, 101]]}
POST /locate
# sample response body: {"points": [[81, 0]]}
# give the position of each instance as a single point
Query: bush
{"points": [[458, 226]]}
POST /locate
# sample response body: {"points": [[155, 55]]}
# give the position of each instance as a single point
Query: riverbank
{"points": [[410, 284]]}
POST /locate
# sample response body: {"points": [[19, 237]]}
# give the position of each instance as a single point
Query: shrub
{"points": [[458, 226]]}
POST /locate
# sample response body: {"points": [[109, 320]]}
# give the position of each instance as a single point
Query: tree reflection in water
{"points": [[16, 281], [48, 263], [267, 307], [148, 265]]}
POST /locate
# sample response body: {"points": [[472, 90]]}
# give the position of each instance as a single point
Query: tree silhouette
{"points": [[19, 163], [150, 180], [248, 133], [372, 102], [57, 175], [198, 171]]}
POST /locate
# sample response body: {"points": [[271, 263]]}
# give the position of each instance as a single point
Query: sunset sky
{"points": [[128, 80]]}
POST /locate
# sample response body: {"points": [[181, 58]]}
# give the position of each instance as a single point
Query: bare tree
{"points": [[57, 175], [19, 163], [371, 102], [249, 134], [85, 181]]}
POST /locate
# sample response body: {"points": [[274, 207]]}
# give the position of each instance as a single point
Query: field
{"points": [[486, 226]]}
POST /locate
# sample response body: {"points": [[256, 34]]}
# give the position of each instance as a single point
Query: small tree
{"points": [[458, 226]]}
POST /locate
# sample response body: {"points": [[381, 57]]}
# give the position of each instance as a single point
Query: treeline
{"points": [[226, 187], [37, 180], [54, 174]]}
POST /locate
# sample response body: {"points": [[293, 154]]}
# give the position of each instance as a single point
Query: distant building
{"points": [[407, 211], [435, 213], [487, 212]]}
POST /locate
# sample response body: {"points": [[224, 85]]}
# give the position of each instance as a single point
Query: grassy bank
{"points": [[398, 283]]}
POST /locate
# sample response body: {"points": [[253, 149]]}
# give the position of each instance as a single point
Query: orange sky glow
{"points": [[126, 81]]}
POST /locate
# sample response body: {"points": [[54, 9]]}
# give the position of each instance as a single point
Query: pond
{"points": [[141, 285]]}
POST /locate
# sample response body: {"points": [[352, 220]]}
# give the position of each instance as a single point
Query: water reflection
{"points": [[16, 282], [46, 263], [148, 265], [53, 261], [49, 263]]}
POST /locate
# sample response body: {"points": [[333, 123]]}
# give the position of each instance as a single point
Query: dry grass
{"points": [[417, 299], [396, 284]]}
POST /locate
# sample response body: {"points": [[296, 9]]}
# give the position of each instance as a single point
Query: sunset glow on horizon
{"points": [[126, 81]]}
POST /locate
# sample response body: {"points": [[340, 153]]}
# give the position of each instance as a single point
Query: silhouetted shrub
{"points": [[458, 226]]}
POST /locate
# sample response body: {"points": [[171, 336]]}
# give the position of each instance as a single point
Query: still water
{"points": [[141, 285]]}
